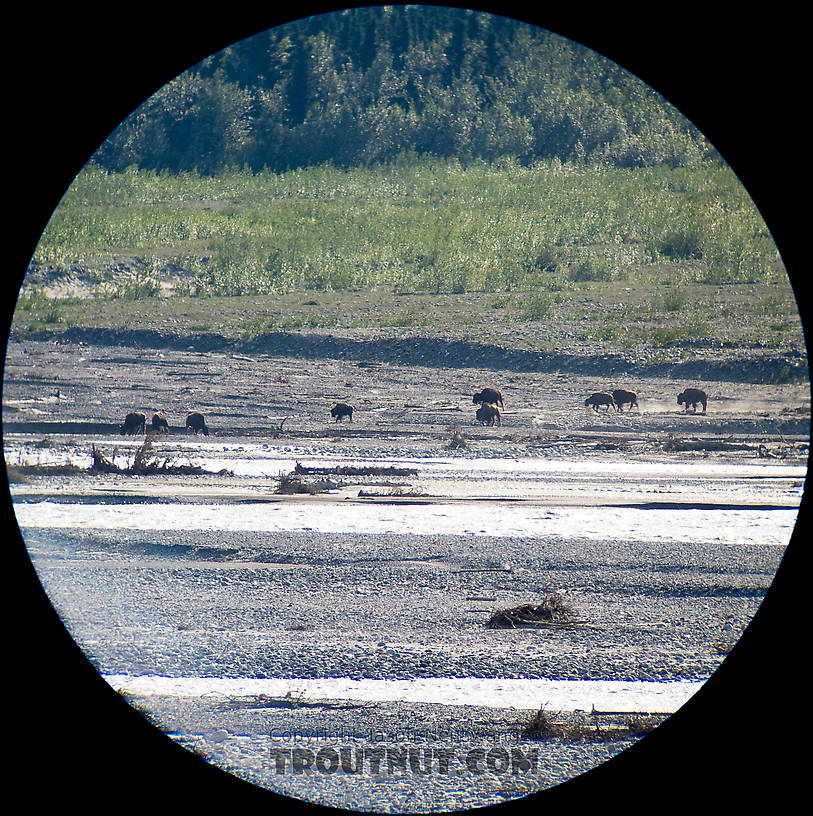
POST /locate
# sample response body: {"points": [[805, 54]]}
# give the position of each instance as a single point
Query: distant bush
{"points": [[138, 288], [674, 300], [537, 306], [592, 270], [258, 326], [694, 328], [665, 335], [681, 244], [544, 260], [698, 327], [39, 308]]}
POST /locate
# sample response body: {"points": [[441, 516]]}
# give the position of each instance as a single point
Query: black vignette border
{"points": [[78, 74]]}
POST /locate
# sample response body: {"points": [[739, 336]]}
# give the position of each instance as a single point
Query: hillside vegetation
{"points": [[435, 170], [413, 225], [360, 86]]}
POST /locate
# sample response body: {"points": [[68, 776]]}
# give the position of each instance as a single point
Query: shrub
{"points": [[681, 244], [417, 225], [257, 326], [537, 306], [39, 307], [674, 300], [665, 335], [769, 306], [544, 260], [138, 288], [593, 269], [698, 327]]}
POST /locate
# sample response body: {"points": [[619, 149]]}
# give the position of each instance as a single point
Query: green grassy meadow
{"points": [[612, 257]]}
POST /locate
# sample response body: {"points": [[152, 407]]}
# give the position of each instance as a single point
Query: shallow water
{"points": [[730, 502], [757, 526], [253, 459], [560, 695]]}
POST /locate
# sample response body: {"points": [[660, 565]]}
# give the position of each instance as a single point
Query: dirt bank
{"points": [[691, 360]]}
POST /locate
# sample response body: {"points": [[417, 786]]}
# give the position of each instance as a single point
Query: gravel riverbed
{"points": [[664, 551]]}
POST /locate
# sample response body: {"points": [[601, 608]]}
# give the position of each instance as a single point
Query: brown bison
{"points": [[196, 422], [489, 395], [135, 422], [159, 423], [693, 397], [341, 410], [622, 398], [594, 400], [488, 414]]}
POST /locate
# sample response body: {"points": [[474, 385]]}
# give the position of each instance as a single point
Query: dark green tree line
{"points": [[363, 85]]}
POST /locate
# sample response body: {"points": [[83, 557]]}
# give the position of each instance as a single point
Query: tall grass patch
{"points": [[675, 300], [35, 309], [412, 225]]}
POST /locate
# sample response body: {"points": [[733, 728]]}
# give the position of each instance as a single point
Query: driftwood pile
{"points": [[554, 610], [371, 470], [593, 727], [296, 481], [145, 463], [676, 444], [292, 484]]}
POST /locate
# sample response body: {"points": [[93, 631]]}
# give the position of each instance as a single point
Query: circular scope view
{"points": [[407, 409]]}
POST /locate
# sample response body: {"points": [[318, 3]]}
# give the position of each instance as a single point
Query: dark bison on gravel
{"points": [[488, 414], [594, 400], [196, 422], [341, 410], [622, 398], [159, 423], [135, 422], [489, 395], [693, 397]]}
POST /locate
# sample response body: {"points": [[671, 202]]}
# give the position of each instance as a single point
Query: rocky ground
{"points": [[656, 611], [408, 386]]}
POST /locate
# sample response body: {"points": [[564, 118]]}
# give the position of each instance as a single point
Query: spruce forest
{"points": [[408, 149], [361, 86]]}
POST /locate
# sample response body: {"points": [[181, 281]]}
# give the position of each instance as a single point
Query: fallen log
{"points": [[676, 445], [349, 470]]}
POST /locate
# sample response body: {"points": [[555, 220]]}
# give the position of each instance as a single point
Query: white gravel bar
{"points": [[564, 695]]}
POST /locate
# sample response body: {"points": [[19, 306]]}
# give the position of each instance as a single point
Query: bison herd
{"points": [[614, 399], [619, 398], [489, 400], [136, 422]]}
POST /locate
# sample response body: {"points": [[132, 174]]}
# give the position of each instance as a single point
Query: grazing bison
{"points": [[600, 398], [159, 423], [489, 395], [693, 397], [622, 397], [487, 414], [196, 422], [341, 410], [135, 422]]}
